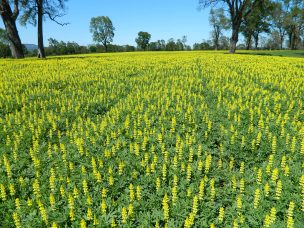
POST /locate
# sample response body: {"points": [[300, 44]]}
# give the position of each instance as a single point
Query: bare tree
{"points": [[9, 18], [34, 13], [238, 9]]}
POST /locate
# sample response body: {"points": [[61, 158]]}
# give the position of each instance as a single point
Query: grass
{"points": [[281, 53]]}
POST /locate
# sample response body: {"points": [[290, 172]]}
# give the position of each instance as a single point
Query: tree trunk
{"points": [[234, 39], [41, 51], [11, 29], [248, 43], [256, 42], [281, 42]]}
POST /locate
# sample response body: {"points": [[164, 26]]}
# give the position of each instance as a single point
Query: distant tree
{"points": [[4, 44], [3, 37], [143, 40], [279, 20], [224, 43], [294, 24], [65, 48], [219, 22], [238, 10], [9, 18], [205, 45], [35, 11], [257, 22], [184, 41], [129, 48], [92, 48], [171, 45], [179, 45], [274, 41], [103, 30], [5, 51]]}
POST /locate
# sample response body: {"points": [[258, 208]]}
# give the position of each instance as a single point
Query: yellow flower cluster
{"points": [[189, 139]]}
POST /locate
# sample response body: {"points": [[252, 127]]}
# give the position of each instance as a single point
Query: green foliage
{"points": [[143, 40], [52, 9], [102, 29], [187, 139]]}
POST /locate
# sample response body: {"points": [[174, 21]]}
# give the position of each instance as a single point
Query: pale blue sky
{"points": [[163, 19]]}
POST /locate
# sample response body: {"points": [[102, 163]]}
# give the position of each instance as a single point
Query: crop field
{"points": [[186, 139]]}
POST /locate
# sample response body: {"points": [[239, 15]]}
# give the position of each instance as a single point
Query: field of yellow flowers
{"points": [[192, 139]]}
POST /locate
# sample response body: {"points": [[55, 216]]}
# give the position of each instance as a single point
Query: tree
{"points": [[219, 22], [278, 18], [184, 41], [294, 24], [143, 40], [257, 22], [4, 44], [103, 30], [205, 45], [3, 37], [34, 12], [274, 41], [9, 18], [238, 9]]}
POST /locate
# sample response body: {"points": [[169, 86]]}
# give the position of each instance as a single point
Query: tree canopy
{"points": [[103, 30], [143, 39]]}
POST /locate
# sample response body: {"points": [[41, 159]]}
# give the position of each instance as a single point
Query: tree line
{"points": [[282, 21]]}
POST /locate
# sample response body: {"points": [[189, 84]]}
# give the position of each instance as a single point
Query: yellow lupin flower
{"points": [[242, 186], [256, 198], [17, 203], [83, 223], [259, 176], [290, 221], [103, 207], [274, 175], [124, 215], [85, 187], [36, 188], [239, 203], [132, 194], [3, 193], [157, 183], [189, 169], [43, 212], [130, 210], [302, 146], [138, 193], [89, 214], [274, 145], [242, 167], [208, 163], [233, 182], [266, 189], [195, 205], [212, 190], [278, 191], [165, 207], [221, 214], [16, 220], [273, 213], [201, 189]]}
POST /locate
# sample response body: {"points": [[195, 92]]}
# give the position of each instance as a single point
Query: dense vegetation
{"points": [[152, 139]]}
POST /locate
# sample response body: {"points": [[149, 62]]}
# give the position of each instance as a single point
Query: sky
{"points": [[163, 19]]}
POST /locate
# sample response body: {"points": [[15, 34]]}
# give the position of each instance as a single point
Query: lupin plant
{"points": [[146, 139]]}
